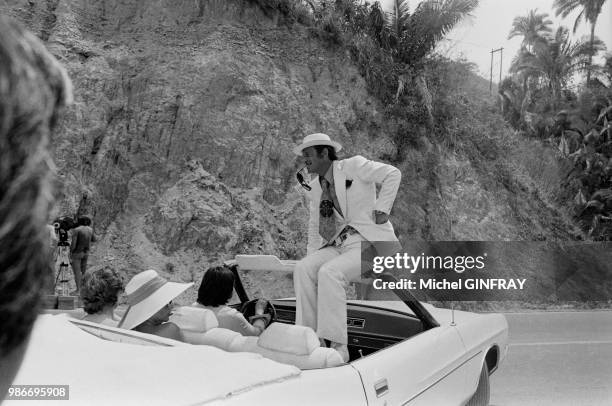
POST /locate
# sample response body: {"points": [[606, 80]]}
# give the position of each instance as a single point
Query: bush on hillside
{"points": [[580, 129]]}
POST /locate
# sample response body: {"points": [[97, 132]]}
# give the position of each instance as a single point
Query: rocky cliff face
{"points": [[179, 141]]}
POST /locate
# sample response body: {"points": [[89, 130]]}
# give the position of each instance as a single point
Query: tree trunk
{"points": [[592, 53], [426, 97]]}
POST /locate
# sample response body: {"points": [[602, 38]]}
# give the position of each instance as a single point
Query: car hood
{"points": [[105, 372]]}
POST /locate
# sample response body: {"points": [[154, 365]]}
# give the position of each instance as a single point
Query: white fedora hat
{"points": [[316, 139], [147, 293]]}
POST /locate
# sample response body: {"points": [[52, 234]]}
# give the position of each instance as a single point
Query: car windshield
{"points": [[279, 285]]}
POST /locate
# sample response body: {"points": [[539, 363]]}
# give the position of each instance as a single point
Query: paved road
{"points": [[558, 358]]}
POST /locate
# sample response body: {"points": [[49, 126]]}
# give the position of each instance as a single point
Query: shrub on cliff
{"points": [[392, 51]]}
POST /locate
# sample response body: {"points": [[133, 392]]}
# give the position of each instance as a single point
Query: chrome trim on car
{"points": [[381, 388], [436, 382]]}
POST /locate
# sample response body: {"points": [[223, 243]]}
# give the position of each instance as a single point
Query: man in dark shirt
{"points": [[82, 237]]}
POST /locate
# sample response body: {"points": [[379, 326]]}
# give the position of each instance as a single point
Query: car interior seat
{"points": [[194, 322], [285, 343]]}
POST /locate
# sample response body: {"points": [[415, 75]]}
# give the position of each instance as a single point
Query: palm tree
{"points": [[431, 21], [378, 25], [414, 36], [398, 20], [589, 11], [555, 61], [534, 28]]}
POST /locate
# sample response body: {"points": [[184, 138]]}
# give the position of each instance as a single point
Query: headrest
{"points": [[298, 340], [194, 319], [222, 338]]}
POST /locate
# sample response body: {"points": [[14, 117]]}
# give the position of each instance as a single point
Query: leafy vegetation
{"points": [[553, 61], [540, 100], [392, 50], [589, 11]]}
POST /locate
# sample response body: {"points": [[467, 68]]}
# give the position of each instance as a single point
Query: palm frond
{"points": [[430, 22], [449, 13], [564, 8], [589, 9], [578, 20], [399, 17], [604, 113]]}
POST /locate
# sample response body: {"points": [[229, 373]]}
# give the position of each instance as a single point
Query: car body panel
{"points": [[338, 386], [430, 356], [480, 333], [160, 372], [418, 370]]}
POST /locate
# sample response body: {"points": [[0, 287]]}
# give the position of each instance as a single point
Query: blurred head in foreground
{"points": [[33, 88]]}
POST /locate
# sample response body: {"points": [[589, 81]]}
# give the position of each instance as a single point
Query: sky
{"points": [[490, 24]]}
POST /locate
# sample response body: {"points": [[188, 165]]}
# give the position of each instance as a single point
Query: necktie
{"points": [[327, 221]]}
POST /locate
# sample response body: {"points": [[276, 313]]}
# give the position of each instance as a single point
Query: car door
{"points": [[426, 369]]}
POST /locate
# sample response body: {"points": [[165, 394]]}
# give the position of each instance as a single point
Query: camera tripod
{"points": [[63, 272]]}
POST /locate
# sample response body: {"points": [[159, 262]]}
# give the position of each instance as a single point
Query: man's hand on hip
{"points": [[380, 217]]}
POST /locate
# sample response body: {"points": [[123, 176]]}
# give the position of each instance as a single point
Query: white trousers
{"points": [[320, 280]]}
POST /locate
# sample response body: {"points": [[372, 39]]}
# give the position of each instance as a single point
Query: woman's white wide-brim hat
{"points": [[316, 139], [148, 293]]}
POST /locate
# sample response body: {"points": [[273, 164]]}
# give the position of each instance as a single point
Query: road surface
{"points": [[556, 358]]}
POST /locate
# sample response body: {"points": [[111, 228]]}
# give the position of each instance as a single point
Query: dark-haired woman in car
{"points": [[214, 294]]}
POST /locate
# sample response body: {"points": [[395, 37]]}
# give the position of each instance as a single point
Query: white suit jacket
{"points": [[355, 182]]}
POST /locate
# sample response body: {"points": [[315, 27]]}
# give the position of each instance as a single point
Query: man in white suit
{"points": [[344, 212]]}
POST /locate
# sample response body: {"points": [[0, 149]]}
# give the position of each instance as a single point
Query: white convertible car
{"points": [[403, 352]]}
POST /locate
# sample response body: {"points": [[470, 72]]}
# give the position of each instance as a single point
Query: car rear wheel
{"points": [[483, 391]]}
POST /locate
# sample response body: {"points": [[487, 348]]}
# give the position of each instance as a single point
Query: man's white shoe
{"points": [[342, 349]]}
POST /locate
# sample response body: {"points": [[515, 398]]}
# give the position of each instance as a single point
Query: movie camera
{"points": [[62, 255], [61, 226]]}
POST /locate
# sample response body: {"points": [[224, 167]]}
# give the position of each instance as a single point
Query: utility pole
{"points": [[501, 62], [501, 51], [491, 80]]}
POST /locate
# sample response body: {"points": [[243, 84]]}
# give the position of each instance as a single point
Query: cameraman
{"points": [[82, 237]]}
